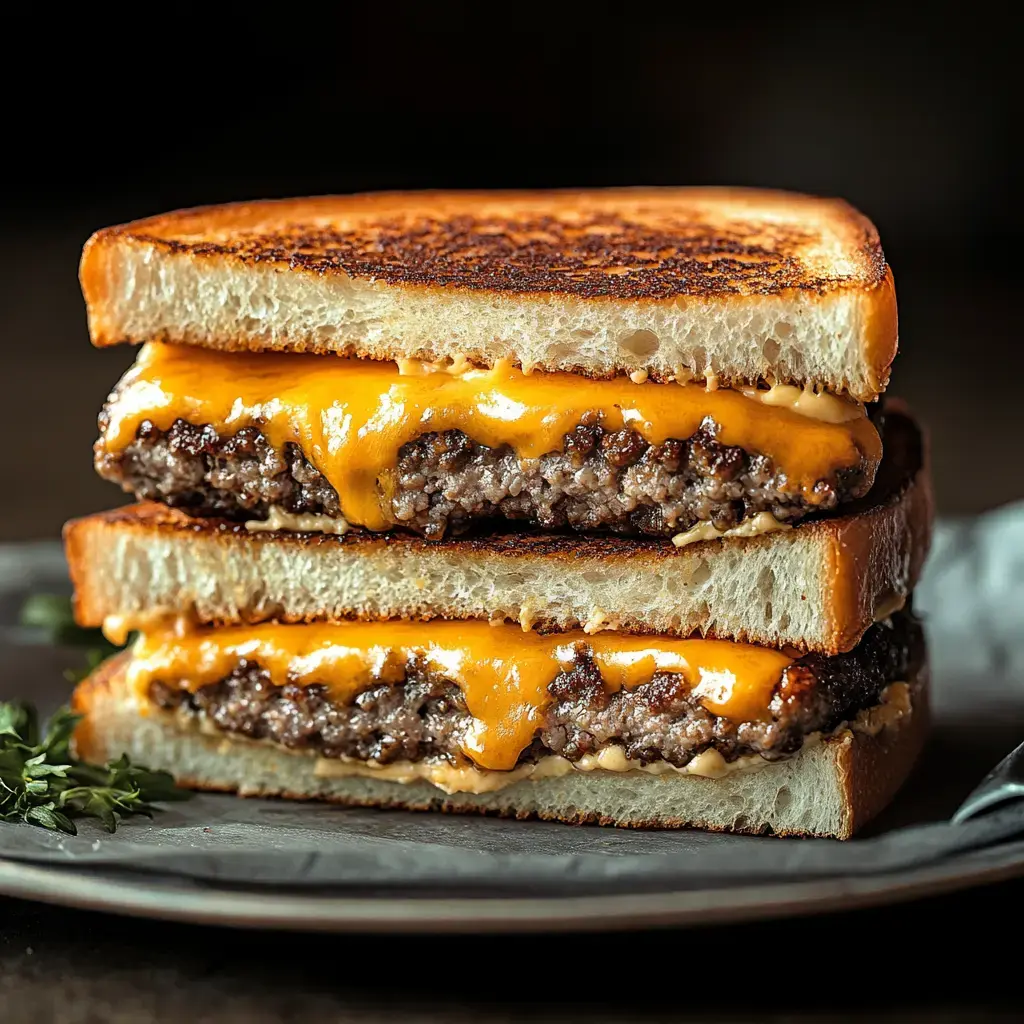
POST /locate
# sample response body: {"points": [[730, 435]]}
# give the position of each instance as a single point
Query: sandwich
{"points": [[583, 506]]}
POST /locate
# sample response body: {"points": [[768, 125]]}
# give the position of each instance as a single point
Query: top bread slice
{"points": [[735, 285]]}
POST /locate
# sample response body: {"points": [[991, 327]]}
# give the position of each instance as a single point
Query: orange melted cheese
{"points": [[351, 417], [503, 673]]}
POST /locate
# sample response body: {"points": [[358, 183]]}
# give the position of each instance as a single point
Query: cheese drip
{"points": [[503, 673], [350, 416]]}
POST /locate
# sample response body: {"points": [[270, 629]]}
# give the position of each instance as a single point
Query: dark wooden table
{"points": [[945, 958], [933, 959]]}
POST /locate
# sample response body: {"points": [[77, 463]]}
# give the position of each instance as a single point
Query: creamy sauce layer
{"points": [[351, 417], [894, 707], [297, 522], [452, 779], [503, 673], [754, 526]]}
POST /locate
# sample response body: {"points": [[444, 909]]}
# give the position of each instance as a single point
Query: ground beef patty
{"points": [[601, 480], [425, 717]]}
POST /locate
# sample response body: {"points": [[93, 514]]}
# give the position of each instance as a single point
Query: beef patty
{"points": [[424, 716], [444, 482]]}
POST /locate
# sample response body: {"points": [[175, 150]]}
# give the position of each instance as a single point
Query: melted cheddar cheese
{"points": [[350, 417], [503, 673]]}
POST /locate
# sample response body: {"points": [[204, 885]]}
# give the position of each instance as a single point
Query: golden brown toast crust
{"points": [[872, 768], [626, 244]]}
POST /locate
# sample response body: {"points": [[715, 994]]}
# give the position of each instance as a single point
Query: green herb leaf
{"points": [[47, 611], [35, 768], [47, 816], [43, 784], [15, 719], [53, 614], [151, 785], [57, 742], [40, 781]]}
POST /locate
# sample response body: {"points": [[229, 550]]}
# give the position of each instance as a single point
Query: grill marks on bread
{"points": [[605, 257], [616, 243]]}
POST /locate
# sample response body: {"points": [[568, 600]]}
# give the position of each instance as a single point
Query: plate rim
{"points": [[249, 908]]}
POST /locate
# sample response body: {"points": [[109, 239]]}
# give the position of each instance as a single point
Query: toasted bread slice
{"points": [[815, 587], [731, 284], [830, 788]]}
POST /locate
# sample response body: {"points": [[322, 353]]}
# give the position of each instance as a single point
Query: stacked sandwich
{"points": [[578, 505]]}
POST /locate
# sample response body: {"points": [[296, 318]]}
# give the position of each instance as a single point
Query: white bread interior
{"points": [[830, 788], [248, 276]]}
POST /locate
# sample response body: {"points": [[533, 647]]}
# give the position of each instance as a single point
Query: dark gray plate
{"points": [[261, 909], [262, 863]]}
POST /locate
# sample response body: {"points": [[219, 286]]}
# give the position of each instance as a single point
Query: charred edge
{"points": [[604, 256]]}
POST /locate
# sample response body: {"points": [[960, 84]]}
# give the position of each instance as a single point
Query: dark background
{"points": [[912, 116]]}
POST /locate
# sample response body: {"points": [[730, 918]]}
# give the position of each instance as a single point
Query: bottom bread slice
{"points": [[831, 787]]}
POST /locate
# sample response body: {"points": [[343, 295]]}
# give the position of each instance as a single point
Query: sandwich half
{"points": [[469, 716], [578, 505]]}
